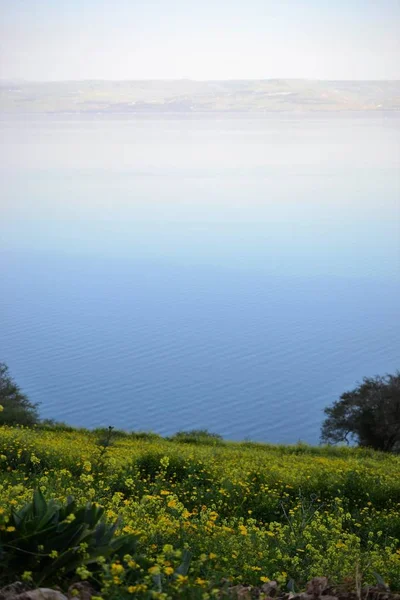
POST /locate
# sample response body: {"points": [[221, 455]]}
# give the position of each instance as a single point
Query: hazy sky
{"points": [[200, 39]]}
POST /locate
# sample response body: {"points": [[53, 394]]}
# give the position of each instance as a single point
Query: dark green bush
{"points": [[15, 407]]}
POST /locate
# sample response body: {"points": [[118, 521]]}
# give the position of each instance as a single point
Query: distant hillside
{"points": [[186, 96]]}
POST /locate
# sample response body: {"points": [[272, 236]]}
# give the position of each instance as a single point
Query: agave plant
{"points": [[47, 539]]}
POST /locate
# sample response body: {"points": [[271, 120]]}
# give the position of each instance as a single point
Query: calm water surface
{"points": [[230, 272]]}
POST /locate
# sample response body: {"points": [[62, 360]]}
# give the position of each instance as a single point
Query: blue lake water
{"points": [[231, 273]]}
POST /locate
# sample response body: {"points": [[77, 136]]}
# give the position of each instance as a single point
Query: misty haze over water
{"points": [[230, 272]]}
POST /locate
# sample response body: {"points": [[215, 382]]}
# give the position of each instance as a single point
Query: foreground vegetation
{"points": [[193, 514]]}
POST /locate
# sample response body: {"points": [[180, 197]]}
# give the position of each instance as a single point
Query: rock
{"points": [[240, 592], [316, 586], [80, 591], [40, 594], [12, 590], [270, 588], [379, 587]]}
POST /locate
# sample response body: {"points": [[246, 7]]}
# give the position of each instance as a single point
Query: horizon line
{"points": [[180, 79]]}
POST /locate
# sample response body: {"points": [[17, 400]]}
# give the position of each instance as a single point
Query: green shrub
{"points": [[52, 425], [51, 541], [197, 436], [104, 432], [145, 435], [152, 464]]}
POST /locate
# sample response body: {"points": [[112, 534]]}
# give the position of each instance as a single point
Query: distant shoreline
{"points": [[187, 96]]}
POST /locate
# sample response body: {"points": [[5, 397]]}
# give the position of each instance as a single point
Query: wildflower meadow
{"points": [[142, 516]]}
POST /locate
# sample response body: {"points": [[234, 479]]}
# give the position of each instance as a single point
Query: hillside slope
{"points": [[247, 513]]}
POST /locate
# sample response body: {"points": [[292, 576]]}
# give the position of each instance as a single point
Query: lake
{"points": [[228, 272]]}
